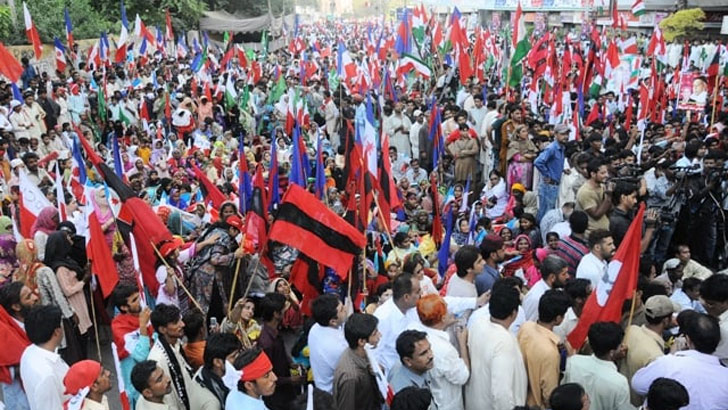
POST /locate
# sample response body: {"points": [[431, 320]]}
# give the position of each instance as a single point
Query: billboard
{"points": [[693, 92]]}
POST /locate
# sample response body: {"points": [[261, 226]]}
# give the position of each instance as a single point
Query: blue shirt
{"points": [[484, 282], [550, 163], [237, 400]]}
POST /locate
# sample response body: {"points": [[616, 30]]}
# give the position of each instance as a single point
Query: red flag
{"points": [[213, 192], [15, 341], [606, 301], [169, 34], [9, 66], [593, 115], [99, 254], [32, 33], [628, 114]]}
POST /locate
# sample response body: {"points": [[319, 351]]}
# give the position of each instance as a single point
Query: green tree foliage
{"points": [[6, 23], [252, 7], [681, 23]]}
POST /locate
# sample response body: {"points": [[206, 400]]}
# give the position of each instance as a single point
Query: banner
{"points": [[693, 92]]}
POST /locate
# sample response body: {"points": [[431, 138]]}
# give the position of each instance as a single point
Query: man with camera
{"points": [[704, 200]]}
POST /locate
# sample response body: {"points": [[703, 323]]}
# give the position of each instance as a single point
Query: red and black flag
{"points": [[308, 225], [135, 216], [306, 276], [387, 195]]}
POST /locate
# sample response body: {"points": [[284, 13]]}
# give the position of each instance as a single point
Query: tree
{"points": [[6, 22], [680, 23]]}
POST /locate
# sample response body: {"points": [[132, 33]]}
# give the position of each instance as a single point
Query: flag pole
{"points": [[179, 282], [96, 326], [235, 280], [386, 227], [715, 98], [631, 312]]}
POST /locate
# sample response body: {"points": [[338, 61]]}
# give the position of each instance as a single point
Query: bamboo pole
{"points": [[179, 282], [96, 326]]}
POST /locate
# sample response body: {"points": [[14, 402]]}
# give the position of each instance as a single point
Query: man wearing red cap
{"points": [[87, 382], [256, 382]]}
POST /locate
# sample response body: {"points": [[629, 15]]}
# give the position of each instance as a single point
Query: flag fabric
{"points": [[120, 55], [638, 8], [305, 223], [60, 54], [244, 188], [212, 192], [320, 183], [69, 29], [60, 197], [615, 287], [98, 251], [346, 68], [296, 175], [368, 135], [168, 33], [521, 46], [124, 398], [657, 48], [403, 44], [256, 219], [387, 196], [438, 144], [443, 255], [231, 94], [409, 63], [32, 33], [273, 179], [15, 341], [32, 201], [436, 231], [9, 66]]}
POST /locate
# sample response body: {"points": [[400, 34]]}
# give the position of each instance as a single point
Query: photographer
{"points": [[704, 199], [663, 189], [624, 200]]}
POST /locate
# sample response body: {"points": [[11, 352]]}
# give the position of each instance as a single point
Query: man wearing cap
{"points": [[19, 120], [397, 126], [87, 382], [550, 163], [417, 126], [256, 381], [645, 343]]}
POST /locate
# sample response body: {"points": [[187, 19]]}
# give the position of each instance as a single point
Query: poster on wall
{"points": [[693, 92]]}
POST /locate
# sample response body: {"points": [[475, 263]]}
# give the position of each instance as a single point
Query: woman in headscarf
{"points": [[414, 264], [121, 254], [175, 258], [520, 155], [292, 318], [462, 231], [42, 280], [46, 223], [240, 322], [67, 272], [495, 196], [8, 260], [523, 265]]}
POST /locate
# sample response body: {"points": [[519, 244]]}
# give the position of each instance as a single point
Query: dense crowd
{"points": [[491, 225]]}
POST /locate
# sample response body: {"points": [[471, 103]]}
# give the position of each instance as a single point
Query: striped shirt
{"points": [[572, 249]]}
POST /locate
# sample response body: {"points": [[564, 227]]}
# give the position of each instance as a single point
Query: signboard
{"points": [[693, 92]]}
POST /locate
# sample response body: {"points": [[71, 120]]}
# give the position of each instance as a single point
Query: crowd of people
{"points": [[502, 225]]}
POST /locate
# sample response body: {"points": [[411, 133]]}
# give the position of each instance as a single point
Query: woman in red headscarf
{"points": [[46, 223], [523, 264]]}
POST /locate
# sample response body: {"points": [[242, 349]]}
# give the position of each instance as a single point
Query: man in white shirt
{"points": [[688, 296], [414, 134], [594, 264], [326, 339], [714, 295], [697, 369], [415, 174], [554, 274], [41, 369], [398, 312], [397, 126], [498, 377]]}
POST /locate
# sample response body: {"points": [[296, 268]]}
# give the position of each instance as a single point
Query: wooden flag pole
{"points": [[179, 282]]}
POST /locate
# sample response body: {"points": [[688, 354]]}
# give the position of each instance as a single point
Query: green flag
{"points": [[225, 38], [519, 54], [244, 100], [333, 80], [278, 90], [101, 104], [123, 116], [264, 42]]}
